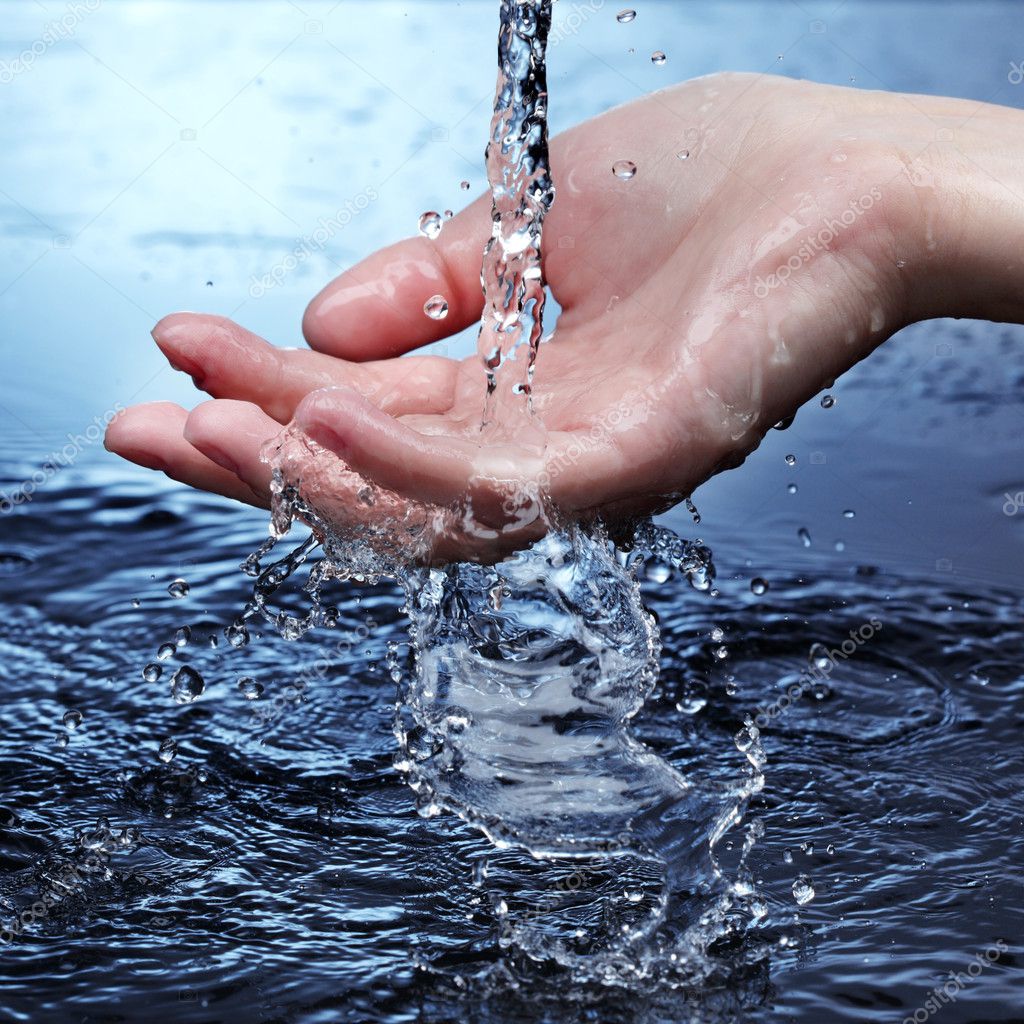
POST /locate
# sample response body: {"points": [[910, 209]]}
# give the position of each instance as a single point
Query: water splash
{"points": [[528, 672]]}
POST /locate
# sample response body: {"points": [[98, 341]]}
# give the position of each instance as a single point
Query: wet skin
{"points": [[704, 300]]}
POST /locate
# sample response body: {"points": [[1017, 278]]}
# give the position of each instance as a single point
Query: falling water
{"points": [[527, 673]]}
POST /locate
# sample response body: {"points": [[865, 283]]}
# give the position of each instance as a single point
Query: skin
{"points": [[704, 300]]}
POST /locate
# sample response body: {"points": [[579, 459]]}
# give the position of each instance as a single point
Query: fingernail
{"points": [[177, 344]]}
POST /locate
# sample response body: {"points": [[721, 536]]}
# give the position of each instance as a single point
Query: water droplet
{"points": [[236, 634], [249, 688], [683, 154], [430, 224], [436, 307], [624, 17], [658, 572], [804, 536], [152, 672], [792, 488], [691, 705], [900, 264], [819, 657], [624, 169], [848, 513], [790, 460], [167, 751], [803, 889], [187, 685], [784, 424], [448, 214], [164, 651], [658, 58], [758, 586], [830, 849], [633, 895], [182, 636], [178, 588], [787, 855], [61, 740], [464, 185], [72, 719], [717, 634], [827, 402]]}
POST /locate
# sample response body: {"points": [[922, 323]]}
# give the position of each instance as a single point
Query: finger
{"points": [[375, 309], [579, 470], [233, 434], [151, 435], [227, 361]]}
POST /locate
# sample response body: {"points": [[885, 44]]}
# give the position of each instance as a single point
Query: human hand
{"points": [[704, 299]]}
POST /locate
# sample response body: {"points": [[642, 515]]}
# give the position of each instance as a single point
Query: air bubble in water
{"points": [[167, 751], [72, 719], [152, 672], [187, 685], [430, 224], [804, 536], [827, 402], [803, 889], [436, 307], [624, 17], [758, 586], [790, 460], [164, 651], [624, 169], [178, 588], [249, 688], [658, 58]]}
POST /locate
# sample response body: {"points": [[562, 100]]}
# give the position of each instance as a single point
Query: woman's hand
{"points": [[773, 234]]}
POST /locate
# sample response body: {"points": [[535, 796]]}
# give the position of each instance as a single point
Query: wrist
{"points": [[968, 189]]}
